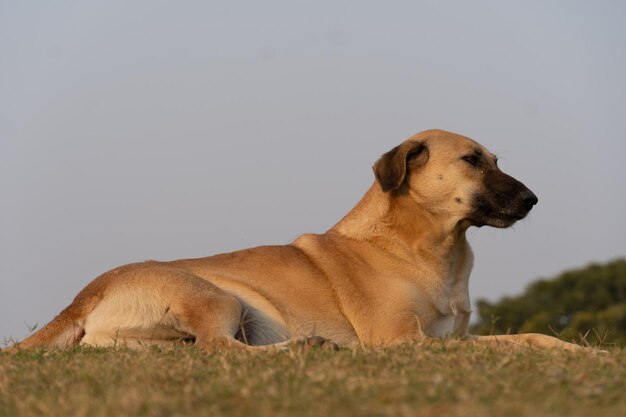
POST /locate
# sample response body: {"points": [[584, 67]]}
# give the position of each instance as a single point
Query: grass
{"points": [[446, 378]]}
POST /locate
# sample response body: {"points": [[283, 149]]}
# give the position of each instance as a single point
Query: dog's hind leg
{"points": [[214, 320], [161, 306]]}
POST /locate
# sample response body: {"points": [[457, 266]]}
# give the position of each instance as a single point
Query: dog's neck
{"points": [[395, 219]]}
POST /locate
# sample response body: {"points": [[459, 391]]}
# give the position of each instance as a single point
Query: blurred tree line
{"points": [[590, 301]]}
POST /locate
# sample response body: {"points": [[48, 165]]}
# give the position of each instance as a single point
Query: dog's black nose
{"points": [[529, 198]]}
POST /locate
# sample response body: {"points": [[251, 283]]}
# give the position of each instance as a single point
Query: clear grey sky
{"points": [[168, 129]]}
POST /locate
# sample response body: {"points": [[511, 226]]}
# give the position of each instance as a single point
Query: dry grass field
{"points": [[440, 379]]}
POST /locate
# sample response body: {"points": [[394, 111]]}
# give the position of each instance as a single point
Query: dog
{"points": [[395, 269]]}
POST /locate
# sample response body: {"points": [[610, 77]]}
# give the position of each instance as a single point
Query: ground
{"points": [[439, 379]]}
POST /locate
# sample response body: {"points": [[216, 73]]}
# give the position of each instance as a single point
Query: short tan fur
{"points": [[395, 269]]}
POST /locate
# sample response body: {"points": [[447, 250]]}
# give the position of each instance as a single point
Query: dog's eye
{"points": [[471, 159]]}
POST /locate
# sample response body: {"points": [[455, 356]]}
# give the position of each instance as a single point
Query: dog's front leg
{"points": [[532, 340]]}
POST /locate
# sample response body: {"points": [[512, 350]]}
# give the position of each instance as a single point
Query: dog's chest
{"points": [[449, 309], [442, 327], [446, 311], [448, 325]]}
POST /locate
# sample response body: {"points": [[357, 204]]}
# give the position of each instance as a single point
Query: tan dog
{"points": [[394, 269]]}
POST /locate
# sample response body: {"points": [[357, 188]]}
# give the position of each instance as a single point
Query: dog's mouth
{"points": [[503, 201], [501, 214], [504, 219], [499, 220]]}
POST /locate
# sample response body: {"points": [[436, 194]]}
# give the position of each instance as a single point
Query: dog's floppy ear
{"points": [[391, 168]]}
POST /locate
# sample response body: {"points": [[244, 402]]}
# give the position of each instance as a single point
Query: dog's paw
{"points": [[306, 343]]}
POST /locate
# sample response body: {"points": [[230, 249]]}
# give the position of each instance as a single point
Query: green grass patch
{"points": [[441, 379]]}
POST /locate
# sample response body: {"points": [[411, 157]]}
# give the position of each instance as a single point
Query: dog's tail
{"points": [[65, 330], [68, 327]]}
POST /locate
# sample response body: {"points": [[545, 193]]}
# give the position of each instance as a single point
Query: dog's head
{"points": [[451, 175]]}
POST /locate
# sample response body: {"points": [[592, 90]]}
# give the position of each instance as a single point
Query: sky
{"points": [[164, 130]]}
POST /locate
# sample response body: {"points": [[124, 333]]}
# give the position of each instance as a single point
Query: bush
{"points": [[588, 302]]}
